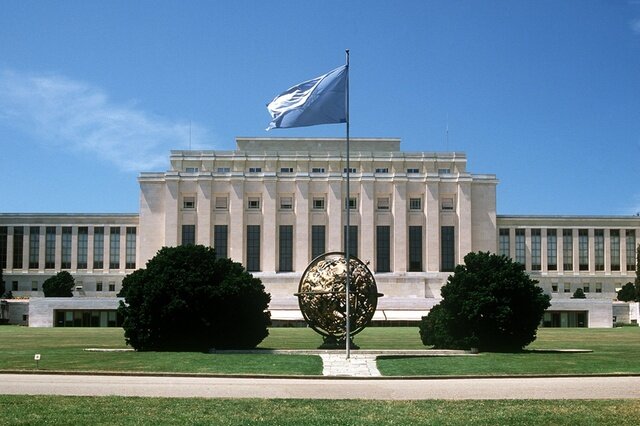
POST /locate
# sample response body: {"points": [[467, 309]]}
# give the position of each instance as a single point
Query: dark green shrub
{"points": [[489, 303], [59, 285], [186, 299], [627, 293], [579, 294]]}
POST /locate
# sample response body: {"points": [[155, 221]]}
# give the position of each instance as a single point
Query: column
{"points": [[367, 230], [432, 213], [464, 232], [269, 237], [400, 226], [334, 215], [302, 239], [236, 221], [203, 212]]}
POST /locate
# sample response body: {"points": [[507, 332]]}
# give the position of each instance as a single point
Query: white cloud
{"points": [[75, 115]]}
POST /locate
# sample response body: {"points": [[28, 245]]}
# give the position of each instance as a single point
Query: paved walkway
{"points": [[358, 365], [347, 388]]}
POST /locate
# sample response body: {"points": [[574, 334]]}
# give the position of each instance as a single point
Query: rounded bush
{"points": [[186, 299]]}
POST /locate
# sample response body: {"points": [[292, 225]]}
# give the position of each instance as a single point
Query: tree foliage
{"points": [[579, 294], [489, 303], [59, 285], [627, 293], [186, 299]]}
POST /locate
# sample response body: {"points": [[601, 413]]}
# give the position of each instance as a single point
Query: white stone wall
{"points": [[42, 309]]}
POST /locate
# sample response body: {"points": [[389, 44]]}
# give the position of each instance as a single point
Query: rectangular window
{"points": [[567, 249], [253, 248], [189, 203], [253, 203], [444, 171], [447, 249], [112, 286], [583, 249], [220, 241], [114, 248], [614, 242], [286, 169], [18, 246], [353, 203], [554, 288], [130, 254], [383, 248], [317, 170], [520, 247], [415, 203], [83, 246], [382, 170], [567, 288], [14, 285], [191, 169], [98, 247], [413, 171], [66, 248], [598, 287], [188, 235], [99, 286], [552, 249], [504, 242], [223, 170], [221, 203], [317, 240], [415, 248], [286, 203], [447, 204], [34, 285], [586, 288], [599, 248], [50, 247], [285, 263], [255, 169], [631, 249], [536, 250], [34, 247], [351, 170], [383, 203], [3, 247], [318, 203], [353, 239]]}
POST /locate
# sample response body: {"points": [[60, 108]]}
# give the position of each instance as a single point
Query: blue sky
{"points": [[544, 94]]}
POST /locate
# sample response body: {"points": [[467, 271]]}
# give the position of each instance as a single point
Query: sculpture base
{"points": [[331, 342]]}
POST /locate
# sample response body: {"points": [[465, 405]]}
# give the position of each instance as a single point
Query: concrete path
{"points": [[387, 389], [358, 365]]}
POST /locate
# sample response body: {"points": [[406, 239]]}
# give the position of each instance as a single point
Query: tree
{"points": [[489, 303], [59, 285], [627, 293], [637, 282], [186, 299], [2, 288], [579, 294]]}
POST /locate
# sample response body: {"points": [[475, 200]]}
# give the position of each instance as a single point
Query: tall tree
{"points": [[59, 285]]}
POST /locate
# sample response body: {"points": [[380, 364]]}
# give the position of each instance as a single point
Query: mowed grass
{"points": [[614, 351], [133, 410]]}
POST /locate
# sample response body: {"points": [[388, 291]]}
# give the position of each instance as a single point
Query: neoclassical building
{"points": [[274, 204]]}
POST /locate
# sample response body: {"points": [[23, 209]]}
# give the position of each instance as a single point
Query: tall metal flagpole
{"points": [[346, 238]]}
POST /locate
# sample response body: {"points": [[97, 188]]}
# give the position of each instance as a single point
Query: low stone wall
{"points": [[41, 309]]}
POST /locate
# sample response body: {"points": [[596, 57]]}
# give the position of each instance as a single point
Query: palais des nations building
{"points": [[274, 204]]}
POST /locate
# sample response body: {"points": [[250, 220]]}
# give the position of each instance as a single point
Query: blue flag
{"points": [[318, 101]]}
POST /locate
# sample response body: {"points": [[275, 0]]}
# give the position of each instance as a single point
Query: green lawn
{"points": [[614, 351], [133, 410]]}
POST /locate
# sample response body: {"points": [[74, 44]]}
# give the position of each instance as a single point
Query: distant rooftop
{"points": [[317, 144]]}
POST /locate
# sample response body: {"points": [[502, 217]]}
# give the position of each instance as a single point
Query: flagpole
{"points": [[346, 239]]}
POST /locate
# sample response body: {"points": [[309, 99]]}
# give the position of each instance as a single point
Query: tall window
{"points": [[536, 250], [520, 247], [317, 240], [552, 250], [220, 241], [583, 249], [353, 239], [253, 248], [567, 249], [285, 244], [383, 249], [599, 248], [34, 247], [188, 235], [415, 203], [50, 247], [447, 249], [66, 247], [631, 250], [130, 249], [3, 247], [415, 248], [98, 248], [614, 241], [18, 246], [83, 246], [504, 242], [114, 247]]}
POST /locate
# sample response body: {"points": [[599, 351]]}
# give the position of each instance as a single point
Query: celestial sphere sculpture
{"points": [[322, 297]]}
